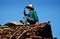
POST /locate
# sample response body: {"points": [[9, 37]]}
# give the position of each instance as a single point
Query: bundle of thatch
{"points": [[33, 31]]}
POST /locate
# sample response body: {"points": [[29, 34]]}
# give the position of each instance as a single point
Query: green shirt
{"points": [[33, 15]]}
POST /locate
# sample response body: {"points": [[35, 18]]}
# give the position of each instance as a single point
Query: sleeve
{"points": [[36, 17], [25, 13]]}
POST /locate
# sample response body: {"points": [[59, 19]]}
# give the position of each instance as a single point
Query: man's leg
{"points": [[24, 21], [30, 20]]}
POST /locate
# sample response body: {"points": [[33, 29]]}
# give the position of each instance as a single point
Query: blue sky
{"points": [[12, 10]]}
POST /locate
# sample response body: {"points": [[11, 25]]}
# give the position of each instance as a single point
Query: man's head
{"points": [[30, 7]]}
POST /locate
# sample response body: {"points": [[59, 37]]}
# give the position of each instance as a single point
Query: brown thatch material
{"points": [[28, 31], [12, 24]]}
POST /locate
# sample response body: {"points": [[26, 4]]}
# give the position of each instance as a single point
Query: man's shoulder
{"points": [[34, 11]]}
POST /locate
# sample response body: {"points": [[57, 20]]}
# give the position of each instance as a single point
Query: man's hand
{"points": [[24, 10]]}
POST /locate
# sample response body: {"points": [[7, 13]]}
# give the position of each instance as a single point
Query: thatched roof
{"points": [[12, 24]]}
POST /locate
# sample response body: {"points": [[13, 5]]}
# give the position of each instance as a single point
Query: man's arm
{"points": [[36, 17], [24, 12]]}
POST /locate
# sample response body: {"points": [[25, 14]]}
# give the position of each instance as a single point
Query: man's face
{"points": [[29, 9]]}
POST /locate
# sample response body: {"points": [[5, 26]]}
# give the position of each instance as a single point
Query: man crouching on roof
{"points": [[32, 17]]}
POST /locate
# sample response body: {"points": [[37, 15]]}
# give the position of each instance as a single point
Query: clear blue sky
{"points": [[12, 10]]}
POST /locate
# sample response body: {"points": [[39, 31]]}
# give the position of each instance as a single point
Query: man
{"points": [[32, 17]]}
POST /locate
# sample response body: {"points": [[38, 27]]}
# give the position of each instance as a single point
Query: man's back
{"points": [[33, 15]]}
